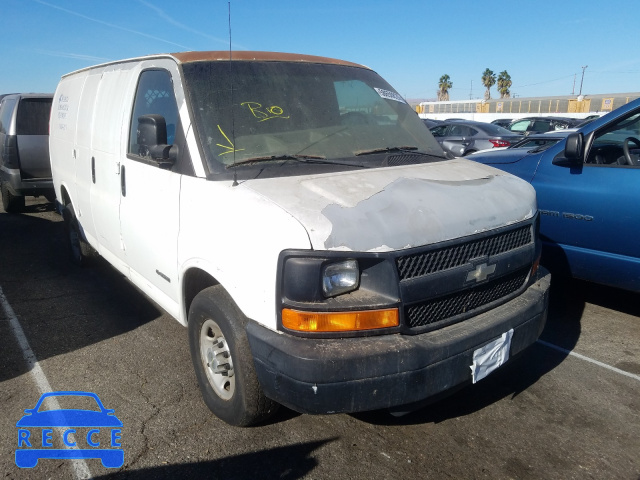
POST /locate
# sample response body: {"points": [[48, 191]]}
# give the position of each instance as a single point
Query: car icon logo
{"points": [[86, 433]]}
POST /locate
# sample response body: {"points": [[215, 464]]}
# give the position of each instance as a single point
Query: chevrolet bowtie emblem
{"points": [[481, 272]]}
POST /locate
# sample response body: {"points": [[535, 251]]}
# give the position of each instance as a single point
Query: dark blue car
{"points": [[32, 446], [588, 188]]}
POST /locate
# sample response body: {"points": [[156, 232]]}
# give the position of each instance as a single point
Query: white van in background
{"points": [[298, 217]]}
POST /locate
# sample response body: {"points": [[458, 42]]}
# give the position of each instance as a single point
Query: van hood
{"points": [[402, 207]]}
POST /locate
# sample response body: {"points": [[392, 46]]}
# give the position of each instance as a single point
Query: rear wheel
{"points": [[223, 361], [80, 252], [11, 203]]}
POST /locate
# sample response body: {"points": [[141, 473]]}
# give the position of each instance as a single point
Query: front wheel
{"points": [[223, 361]]}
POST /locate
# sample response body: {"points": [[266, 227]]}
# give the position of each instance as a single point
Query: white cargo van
{"points": [[298, 217]]}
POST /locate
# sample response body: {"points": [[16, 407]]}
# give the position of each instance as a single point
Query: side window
{"points": [[154, 95], [520, 126], [460, 131], [439, 131], [617, 144], [360, 104], [541, 126]]}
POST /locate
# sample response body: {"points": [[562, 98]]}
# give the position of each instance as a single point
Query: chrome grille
{"points": [[424, 263]]}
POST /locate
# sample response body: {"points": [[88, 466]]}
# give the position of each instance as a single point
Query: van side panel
{"points": [[105, 149], [84, 173], [110, 110], [229, 232], [149, 211], [149, 226], [62, 132]]}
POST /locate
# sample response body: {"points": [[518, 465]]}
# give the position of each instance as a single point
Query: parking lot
{"points": [[567, 408]]}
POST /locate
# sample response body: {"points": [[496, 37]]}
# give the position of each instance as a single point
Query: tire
{"points": [[223, 361], [80, 252], [11, 203]]}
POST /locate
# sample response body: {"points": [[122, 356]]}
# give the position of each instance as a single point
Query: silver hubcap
{"points": [[216, 359]]}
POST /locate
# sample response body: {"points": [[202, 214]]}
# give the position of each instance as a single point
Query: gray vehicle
{"points": [[531, 125], [461, 138], [502, 122], [24, 149]]}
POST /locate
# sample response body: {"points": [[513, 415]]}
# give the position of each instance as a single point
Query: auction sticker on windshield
{"points": [[90, 432], [389, 95]]}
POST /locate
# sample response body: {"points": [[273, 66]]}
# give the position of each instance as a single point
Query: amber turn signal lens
{"points": [[534, 267], [339, 321]]}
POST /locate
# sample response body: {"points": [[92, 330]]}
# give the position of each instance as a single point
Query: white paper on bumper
{"points": [[488, 358]]}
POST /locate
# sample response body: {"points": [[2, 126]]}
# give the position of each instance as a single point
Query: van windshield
{"points": [[305, 110]]}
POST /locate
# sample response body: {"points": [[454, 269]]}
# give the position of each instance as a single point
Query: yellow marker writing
{"points": [[266, 113], [229, 148]]}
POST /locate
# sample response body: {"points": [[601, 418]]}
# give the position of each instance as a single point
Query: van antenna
{"points": [[233, 123]]}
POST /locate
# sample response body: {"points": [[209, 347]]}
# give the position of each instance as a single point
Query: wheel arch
{"points": [[194, 281], [65, 198]]}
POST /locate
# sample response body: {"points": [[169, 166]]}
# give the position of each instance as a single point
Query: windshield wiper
{"points": [[269, 158], [406, 149], [388, 149], [318, 159]]}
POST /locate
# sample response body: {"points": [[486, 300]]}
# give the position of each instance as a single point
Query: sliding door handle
{"points": [[123, 182]]}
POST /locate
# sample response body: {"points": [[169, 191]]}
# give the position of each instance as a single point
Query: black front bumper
{"points": [[370, 373]]}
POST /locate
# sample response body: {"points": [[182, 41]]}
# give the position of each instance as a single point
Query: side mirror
{"points": [[573, 147], [152, 140], [572, 151]]}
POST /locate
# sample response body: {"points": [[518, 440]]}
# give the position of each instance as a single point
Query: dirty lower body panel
{"points": [[369, 373], [32, 186]]}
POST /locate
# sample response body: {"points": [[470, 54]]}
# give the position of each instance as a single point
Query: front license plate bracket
{"points": [[493, 355]]}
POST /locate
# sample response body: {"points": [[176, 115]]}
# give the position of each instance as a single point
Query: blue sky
{"points": [[542, 44]]}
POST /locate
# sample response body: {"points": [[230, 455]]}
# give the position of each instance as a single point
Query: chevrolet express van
{"points": [[298, 217]]}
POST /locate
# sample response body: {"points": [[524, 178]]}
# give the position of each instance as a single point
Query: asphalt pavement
{"points": [[568, 408]]}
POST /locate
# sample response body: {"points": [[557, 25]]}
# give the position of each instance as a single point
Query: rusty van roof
{"points": [[241, 55], [223, 56]]}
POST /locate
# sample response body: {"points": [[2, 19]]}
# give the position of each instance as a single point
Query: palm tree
{"points": [[443, 87], [504, 83], [488, 80]]}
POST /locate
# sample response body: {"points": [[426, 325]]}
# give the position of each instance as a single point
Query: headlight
{"points": [[341, 277], [310, 284]]}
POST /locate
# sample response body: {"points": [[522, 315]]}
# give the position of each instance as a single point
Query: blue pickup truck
{"points": [[588, 187]]}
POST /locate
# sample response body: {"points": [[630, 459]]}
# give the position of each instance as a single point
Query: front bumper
{"points": [[370, 373]]}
